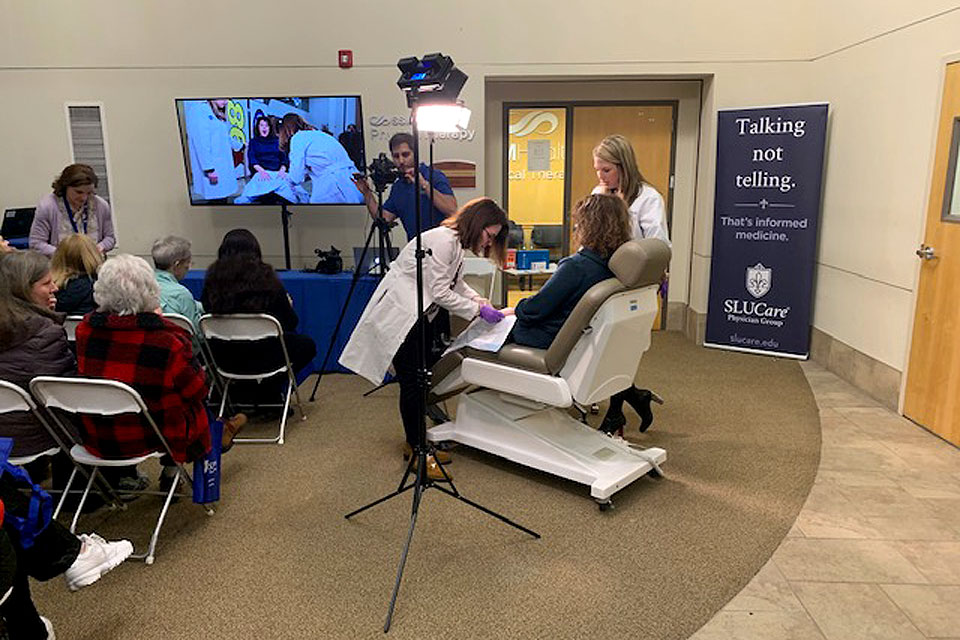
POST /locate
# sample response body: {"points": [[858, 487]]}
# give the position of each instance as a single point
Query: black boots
{"points": [[639, 399]]}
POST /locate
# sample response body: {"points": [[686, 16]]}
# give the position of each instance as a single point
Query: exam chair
{"points": [[513, 403]]}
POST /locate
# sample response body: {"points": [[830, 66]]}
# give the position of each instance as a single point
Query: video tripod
{"points": [[382, 177]]}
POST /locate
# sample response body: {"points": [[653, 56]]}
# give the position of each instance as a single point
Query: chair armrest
{"points": [[534, 386]]}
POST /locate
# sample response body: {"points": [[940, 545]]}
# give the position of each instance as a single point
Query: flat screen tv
{"points": [[254, 151]]}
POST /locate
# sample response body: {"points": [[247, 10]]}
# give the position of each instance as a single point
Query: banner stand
{"points": [[766, 216]]}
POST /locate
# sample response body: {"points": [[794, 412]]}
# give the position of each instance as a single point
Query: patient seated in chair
{"points": [[578, 341], [601, 224]]}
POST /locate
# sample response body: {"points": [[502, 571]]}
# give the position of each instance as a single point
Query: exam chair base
{"points": [[548, 439]]}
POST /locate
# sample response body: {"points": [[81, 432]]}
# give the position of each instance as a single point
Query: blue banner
{"points": [[769, 173]]}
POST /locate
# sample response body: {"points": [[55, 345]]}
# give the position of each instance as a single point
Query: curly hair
{"points": [[74, 175], [126, 286], [601, 223]]}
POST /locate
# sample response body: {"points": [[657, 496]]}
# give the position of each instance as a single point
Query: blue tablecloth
{"points": [[317, 299]]}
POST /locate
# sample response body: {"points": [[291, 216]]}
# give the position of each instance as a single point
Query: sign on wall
{"points": [[769, 174], [536, 155]]}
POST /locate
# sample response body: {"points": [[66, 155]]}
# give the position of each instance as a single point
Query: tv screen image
{"points": [[255, 151]]}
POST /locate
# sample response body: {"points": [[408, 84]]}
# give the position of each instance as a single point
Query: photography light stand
{"points": [[382, 227], [417, 466]]}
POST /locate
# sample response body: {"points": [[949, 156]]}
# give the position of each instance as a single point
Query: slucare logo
{"points": [[758, 282]]}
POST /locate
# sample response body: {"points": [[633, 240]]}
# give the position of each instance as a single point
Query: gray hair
{"points": [[21, 270], [169, 250], [126, 286]]}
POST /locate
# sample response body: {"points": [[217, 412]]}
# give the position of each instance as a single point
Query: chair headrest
{"points": [[636, 264], [639, 263]]}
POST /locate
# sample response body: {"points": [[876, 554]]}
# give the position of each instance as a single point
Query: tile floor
{"points": [[875, 551]]}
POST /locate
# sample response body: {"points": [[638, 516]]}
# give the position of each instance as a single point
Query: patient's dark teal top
{"points": [[540, 316]]}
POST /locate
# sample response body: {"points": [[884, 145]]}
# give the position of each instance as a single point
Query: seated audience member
{"points": [[128, 340], [239, 281], [601, 225], [32, 343], [74, 269], [54, 551], [172, 259]]}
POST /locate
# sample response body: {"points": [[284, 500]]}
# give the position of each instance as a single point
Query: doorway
{"points": [[548, 166]]}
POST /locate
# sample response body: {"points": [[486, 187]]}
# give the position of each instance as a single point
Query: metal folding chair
{"points": [[14, 399], [70, 326], [248, 327], [88, 396], [203, 353]]}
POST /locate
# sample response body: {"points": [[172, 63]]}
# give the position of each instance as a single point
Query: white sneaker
{"points": [[97, 557], [49, 625]]}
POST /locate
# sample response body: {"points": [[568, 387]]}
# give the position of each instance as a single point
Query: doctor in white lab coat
{"points": [[618, 174], [319, 156], [387, 331], [211, 152]]}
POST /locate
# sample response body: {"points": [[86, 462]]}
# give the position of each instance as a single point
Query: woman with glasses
{"points": [[388, 329]]}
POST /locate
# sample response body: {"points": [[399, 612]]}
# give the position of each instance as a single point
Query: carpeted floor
{"points": [[278, 560]]}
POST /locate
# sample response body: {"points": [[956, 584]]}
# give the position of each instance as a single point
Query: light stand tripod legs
{"points": [[420, 484]]}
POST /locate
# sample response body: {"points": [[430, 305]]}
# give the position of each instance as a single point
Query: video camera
{"points": [[383, 172]]}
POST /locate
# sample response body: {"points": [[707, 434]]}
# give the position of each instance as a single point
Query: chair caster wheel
{"points": [[605, 505]]}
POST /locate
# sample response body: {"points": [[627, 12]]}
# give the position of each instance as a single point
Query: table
{"points": [[317, 299], [524, 279]]}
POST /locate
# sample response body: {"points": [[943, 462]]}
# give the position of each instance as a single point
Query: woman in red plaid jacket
{"points": [[128, 340]]}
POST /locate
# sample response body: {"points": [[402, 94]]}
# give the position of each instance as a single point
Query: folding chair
{"points": [[481, 274], [70, 326], [248, 327], [203, 353], [88, 396], [12, 399]]}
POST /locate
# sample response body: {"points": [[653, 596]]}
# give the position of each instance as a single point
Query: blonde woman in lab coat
{"points": [[387, 331], [618, 174]]}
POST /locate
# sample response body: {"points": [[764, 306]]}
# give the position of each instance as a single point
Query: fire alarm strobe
{"points": [[345, 58]]}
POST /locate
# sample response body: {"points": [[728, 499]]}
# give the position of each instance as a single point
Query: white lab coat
{"points": [[209, 140], [648, 215], [392, 311], [330, 169]]}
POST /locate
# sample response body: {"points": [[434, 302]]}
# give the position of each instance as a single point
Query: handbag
{"points": [[206, 470], [40, 508]]}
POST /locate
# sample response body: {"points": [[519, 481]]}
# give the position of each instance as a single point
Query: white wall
{"points": [[878, 64]]}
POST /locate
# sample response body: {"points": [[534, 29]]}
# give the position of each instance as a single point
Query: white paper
{"points": [[483, 336]]}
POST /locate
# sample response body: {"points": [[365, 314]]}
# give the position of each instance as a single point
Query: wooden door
{"points": [[932, 396], [649, 129]]}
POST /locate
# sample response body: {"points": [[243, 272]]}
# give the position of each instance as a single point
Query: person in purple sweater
{"points": [[73, 207]]}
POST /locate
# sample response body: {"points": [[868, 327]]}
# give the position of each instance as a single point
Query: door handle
{"points": [[926, 252]]}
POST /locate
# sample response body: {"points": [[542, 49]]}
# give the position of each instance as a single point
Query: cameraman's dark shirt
{"points": [[402, 203]]}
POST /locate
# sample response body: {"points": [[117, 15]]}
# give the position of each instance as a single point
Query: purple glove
{"points": [[490, 314]]}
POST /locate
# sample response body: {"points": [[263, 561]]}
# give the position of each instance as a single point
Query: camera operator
{"points": [[400, 203]]}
